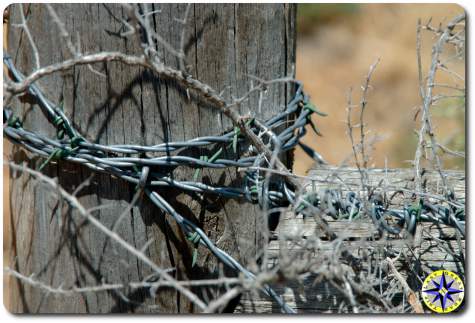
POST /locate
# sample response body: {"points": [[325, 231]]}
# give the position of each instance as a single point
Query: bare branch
{"points": [[73, 201], [363, 104], [23, 25], [426, 122], [30, 280], [223, 300], [63, 32], [411, 296]]}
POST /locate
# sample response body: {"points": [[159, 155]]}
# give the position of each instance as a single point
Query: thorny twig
{"points": [[32, 281], [412, 297], [363, 104], [348, 279], [360, 148], [363, 164], [73, 201], [426, 92]]}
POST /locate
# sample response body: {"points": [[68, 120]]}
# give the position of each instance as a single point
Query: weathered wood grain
{"points": [[225, 43], [437, 246]]}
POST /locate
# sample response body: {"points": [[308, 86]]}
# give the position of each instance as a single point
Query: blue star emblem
{"points": [[443, 291]]}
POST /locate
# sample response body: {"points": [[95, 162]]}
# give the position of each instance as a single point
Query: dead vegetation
{"points": [[348, 240]]}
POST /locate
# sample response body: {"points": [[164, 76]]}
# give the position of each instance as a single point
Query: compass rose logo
{"points": [[443, 291]]}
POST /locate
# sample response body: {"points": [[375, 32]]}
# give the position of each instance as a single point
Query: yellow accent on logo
{"points": [[443, 291]]}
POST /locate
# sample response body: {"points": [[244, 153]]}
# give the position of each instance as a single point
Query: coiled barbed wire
{"points": [[117, 160]]}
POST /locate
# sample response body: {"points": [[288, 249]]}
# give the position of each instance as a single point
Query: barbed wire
{"points": [[144, 171]]}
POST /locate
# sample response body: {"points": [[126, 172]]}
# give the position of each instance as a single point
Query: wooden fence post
{"points": [[224, 43]]}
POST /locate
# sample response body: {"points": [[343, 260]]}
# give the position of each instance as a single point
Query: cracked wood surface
{"points": [[223, 44]]}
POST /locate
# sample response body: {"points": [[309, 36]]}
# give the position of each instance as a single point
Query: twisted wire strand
{"points": [[117, 160], [95, 157]]}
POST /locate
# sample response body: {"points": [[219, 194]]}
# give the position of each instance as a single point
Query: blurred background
{"points": [[336, 45]]}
